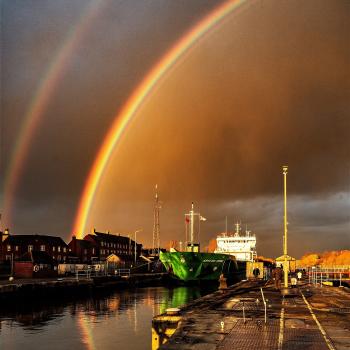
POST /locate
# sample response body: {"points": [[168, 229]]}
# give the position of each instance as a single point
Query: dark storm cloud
{"points": [[45, 217], [264, 90], [270, 86], [121, 44], [312, 221]]}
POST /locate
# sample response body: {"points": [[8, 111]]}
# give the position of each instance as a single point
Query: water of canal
{"points": [[120, 320]]}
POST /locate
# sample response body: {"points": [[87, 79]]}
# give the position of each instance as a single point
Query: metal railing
{"points": [[91, 271], [264, 301], [318, 274], [100, 269], [83, 273], [122, 272]]}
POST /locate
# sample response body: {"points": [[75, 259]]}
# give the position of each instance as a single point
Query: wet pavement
{"points": [[310, 317]]}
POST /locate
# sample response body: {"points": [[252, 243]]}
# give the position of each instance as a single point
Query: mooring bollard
{"points": [[164, 326], [172, 311]]}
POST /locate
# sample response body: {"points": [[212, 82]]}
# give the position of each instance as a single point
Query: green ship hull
{"points": [[194, 266]]}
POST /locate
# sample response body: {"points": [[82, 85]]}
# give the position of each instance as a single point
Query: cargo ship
{"points": [[192, 265], [242, 246]]}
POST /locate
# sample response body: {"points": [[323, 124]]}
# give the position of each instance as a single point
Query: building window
{"points": [[64, 249], [30, 248], [8, 248], [16, 248], [58, 248], [53, 249], [85, 251], [42, 248], [93, 250], [59, 257]]}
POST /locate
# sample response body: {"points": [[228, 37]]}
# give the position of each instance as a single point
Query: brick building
{"points": [[84, 250], [14, 246], [107, 244], [94, 247]]}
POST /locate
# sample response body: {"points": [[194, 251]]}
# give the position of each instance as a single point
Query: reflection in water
{"points": [[178, 296], [121, 319]]}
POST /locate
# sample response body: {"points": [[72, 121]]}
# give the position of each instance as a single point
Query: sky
{"points": [[268, 86]]}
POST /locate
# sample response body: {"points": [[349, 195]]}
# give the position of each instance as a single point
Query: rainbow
{"points": [[40, 101], [86, 331], [143, 90]]}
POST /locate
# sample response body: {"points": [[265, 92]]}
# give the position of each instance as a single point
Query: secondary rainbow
{"points": [[40, 101], [139, 95]]}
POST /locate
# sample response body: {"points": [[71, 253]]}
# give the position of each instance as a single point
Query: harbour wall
{"points": [[29, 289]]}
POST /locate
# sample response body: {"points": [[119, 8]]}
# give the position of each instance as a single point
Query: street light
{"points": [[135, 242], [285, 252]]}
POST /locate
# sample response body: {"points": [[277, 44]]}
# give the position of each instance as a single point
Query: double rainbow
{"points": [[41, 98], [144, 89]]}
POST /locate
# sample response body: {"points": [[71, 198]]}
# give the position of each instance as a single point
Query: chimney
{"points": [[74, 244]]}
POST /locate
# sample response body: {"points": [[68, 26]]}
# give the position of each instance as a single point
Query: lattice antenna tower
{"points": [[156, 225]]}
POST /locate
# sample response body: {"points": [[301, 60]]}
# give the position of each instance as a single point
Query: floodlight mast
{"points": [[285, 251], [156, 226]]}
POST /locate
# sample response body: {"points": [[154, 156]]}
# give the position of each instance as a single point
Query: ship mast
{"points": [[156, 225], [192, 225], [238, 229], [189, 219]]}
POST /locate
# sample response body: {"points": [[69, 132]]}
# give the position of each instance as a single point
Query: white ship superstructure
{"points": [[243, 247]]}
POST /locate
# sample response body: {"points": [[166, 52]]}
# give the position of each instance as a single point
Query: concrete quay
{"points": [[311, 317]]}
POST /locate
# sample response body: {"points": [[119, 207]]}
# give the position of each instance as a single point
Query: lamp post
{"points": [[286, 268], [135, 233]]}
